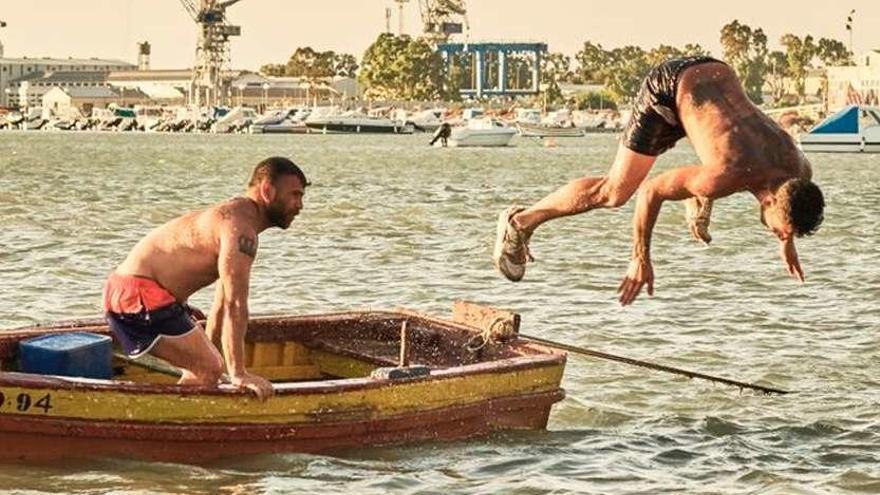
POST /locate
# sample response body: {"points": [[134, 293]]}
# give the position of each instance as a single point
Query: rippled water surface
{"points": [[390, 222]]}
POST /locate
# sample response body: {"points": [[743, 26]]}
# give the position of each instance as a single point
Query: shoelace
{"points": [[525, 244]]}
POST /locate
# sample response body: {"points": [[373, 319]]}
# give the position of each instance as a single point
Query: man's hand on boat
{"points": [[255, 383]]}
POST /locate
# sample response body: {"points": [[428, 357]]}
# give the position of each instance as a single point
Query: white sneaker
{"points": [[511, 247], [698, 213]]}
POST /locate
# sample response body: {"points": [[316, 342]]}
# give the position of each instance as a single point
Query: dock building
{"points": [[15, 71], [856, 84]]}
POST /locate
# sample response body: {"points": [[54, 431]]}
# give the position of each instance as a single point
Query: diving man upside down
{"points": [[740, 149]]}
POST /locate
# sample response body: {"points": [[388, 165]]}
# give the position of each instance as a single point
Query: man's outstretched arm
{"points": [[238, 248], [676, 185]]}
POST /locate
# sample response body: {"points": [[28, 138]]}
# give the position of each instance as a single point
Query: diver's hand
{"points": [[640, 273], [255, 383], [790, 257]]}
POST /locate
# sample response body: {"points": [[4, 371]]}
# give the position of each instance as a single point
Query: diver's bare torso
{"points": [[729, 132]]}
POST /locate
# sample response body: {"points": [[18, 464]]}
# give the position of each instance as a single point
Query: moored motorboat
{"points": [[357, 123], [481, 132], [341, 380], [853, 129], [238, 119], [542, 131], [286, 121], [427, 120]]}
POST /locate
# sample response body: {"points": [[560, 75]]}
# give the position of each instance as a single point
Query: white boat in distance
{"points": [[854, 129], [427, 120], [235, 120], [542, 131], [357, 123], [285, 121], [481, 132]]}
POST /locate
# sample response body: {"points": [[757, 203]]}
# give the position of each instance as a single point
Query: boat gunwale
{"points": [[542, 357], [28, 380]]}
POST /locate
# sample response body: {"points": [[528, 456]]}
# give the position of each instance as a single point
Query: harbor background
{"points": [[391, 222]]}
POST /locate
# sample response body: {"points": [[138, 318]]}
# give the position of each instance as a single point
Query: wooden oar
{"points": [[150, 363], [653, 366]]}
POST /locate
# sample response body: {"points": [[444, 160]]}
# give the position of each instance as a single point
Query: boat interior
{"points": [[327, 347]]}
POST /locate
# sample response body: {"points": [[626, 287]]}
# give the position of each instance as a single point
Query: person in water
{"points": [[442, 134], [739, 147], [145, 297]]}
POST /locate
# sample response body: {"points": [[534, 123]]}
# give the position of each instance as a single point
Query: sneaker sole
{"points": [[511, 271]]}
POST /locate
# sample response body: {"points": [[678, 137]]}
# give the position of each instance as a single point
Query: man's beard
{"points": [[277, 216]]}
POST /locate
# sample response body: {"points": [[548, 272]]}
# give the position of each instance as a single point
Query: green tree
{"points": [[662, 53], [345, 65], [777, 72], [592, 100], [555, 68], [833, 53], [622, 70], [799, 54], [592, 60], [624, 74], [273, 69], [308, 63], [399, 67], [694, 50], [746, 51]]}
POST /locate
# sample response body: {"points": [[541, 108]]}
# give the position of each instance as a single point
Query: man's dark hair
{"points": [[805, 205], [273, 167]]}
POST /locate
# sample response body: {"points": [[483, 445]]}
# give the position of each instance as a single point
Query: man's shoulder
{"points": [[234, 210], [231, 217]]}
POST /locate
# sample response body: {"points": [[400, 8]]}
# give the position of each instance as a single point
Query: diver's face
{"points": [[773, 217]]}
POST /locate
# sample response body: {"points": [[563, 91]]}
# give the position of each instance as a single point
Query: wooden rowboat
{"points": [[338, 385]]}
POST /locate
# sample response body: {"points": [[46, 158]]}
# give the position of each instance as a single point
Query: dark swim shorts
{"points": [[654, 126], [139, 311]]}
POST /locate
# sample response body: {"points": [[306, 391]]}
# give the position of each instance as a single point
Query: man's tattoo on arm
{"points": [[247, 245]]}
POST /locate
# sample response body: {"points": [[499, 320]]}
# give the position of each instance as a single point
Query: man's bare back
{"points": [[182, 254], [728, 131], [145, 297]]}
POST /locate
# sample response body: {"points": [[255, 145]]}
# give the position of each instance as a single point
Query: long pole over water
{"points": [[653, 366]]}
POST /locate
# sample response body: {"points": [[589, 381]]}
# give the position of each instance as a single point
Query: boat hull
{"points": [[67, 438], [330, 399], [354, 128], [854, 129], [539, 131], [467, 137], [844, 143], [280, 129]]}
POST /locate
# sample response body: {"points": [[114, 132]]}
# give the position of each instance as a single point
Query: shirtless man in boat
{"points": [[740, 148], [145, 297]]}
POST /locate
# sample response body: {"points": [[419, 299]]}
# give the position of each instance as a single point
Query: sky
{"points": [[273, 29]]}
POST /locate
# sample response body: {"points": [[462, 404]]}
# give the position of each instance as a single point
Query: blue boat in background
{"points": [[855, 129]]}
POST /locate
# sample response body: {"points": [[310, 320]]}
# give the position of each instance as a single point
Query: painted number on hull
{"points": [[25, 402]]}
